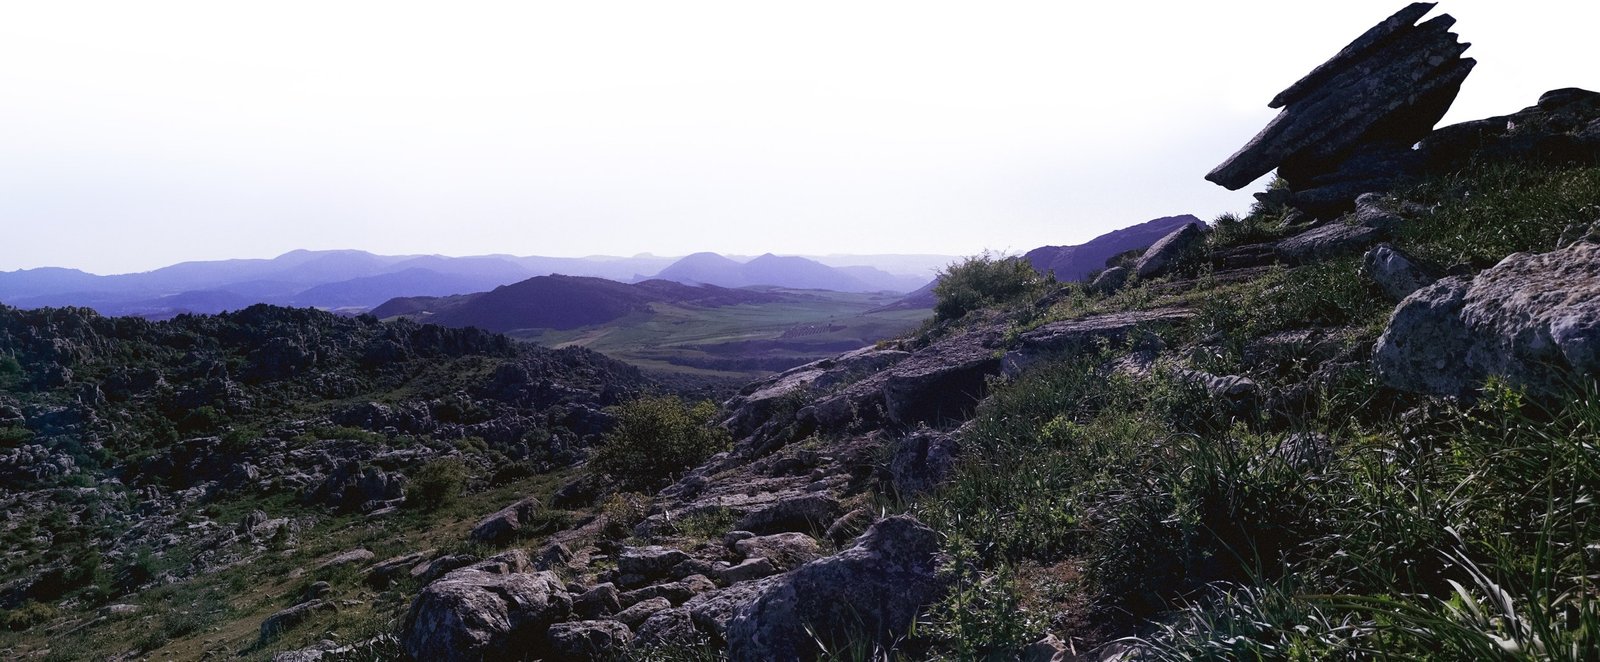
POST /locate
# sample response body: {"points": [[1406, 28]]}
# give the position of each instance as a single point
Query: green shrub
{"points": [[656, 439], [12, 437], [436, 484], [28, 615], [983, 281]]}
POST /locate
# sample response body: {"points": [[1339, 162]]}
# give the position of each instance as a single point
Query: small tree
{"points": [[656, 439], [981, 281], [436, 484]]}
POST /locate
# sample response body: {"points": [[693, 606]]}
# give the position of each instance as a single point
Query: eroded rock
{"points": [[1526, 319], [471, 614], [872, 591]]}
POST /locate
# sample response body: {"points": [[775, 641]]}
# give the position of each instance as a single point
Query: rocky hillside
{"points": [[1357, 421], [1360, 417]]}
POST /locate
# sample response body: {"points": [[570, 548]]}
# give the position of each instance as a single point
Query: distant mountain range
{"points": [[562, 302], [356, 280], [791, 272]]}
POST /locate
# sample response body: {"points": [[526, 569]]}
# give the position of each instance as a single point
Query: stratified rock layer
{"points": [[1348, 126]]}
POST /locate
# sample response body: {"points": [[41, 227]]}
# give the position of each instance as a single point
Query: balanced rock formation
{"points": [[1348, 127]]}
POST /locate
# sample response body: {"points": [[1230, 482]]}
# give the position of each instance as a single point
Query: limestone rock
{"points": [[651, 561], [922, 460], [676, 592], [784, 550], [581, 641], [1084, 334], [1525, 319], [670, 627], [602, 600], [805, 512], [1110, 280], [747, 570], [471, 614], [347, 557], [1563, 127], [640, 611], [1165, 254], [502, 526], [1394, 272], [873, 590], [1386, 89], [941, 382], [711, 611]]}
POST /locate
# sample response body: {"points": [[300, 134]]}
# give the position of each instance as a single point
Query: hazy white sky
{"points": [[134, 135]]}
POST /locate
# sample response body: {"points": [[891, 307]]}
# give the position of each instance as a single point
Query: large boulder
{"points": [[871, 592], [504, 525], [1349, 125], [1527, 319], [1162, 256], [476, 615], [580, 641]]}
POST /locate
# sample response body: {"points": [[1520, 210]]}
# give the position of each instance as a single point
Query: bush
{"points": [[11, 437], [436, 484], [28, 615], [983, 281], [656, 439]]}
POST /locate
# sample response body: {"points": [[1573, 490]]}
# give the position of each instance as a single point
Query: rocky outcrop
{"points": [[871, 592], [1563, 127], [477, 613], [1527, 319], [759, 401], [1086, 333], [942, 383], [783, 550], [1348, 126]]}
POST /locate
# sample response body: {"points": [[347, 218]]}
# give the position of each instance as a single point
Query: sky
{"points": [[135, 135]]}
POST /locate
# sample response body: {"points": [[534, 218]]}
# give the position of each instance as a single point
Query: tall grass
{"points": [[1486, 212]]}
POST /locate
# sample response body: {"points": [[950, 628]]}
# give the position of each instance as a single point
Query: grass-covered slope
{"points": [[1337, 518]]}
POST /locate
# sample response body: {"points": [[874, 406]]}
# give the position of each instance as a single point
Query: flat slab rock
{"points": [[1084, 334]]}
